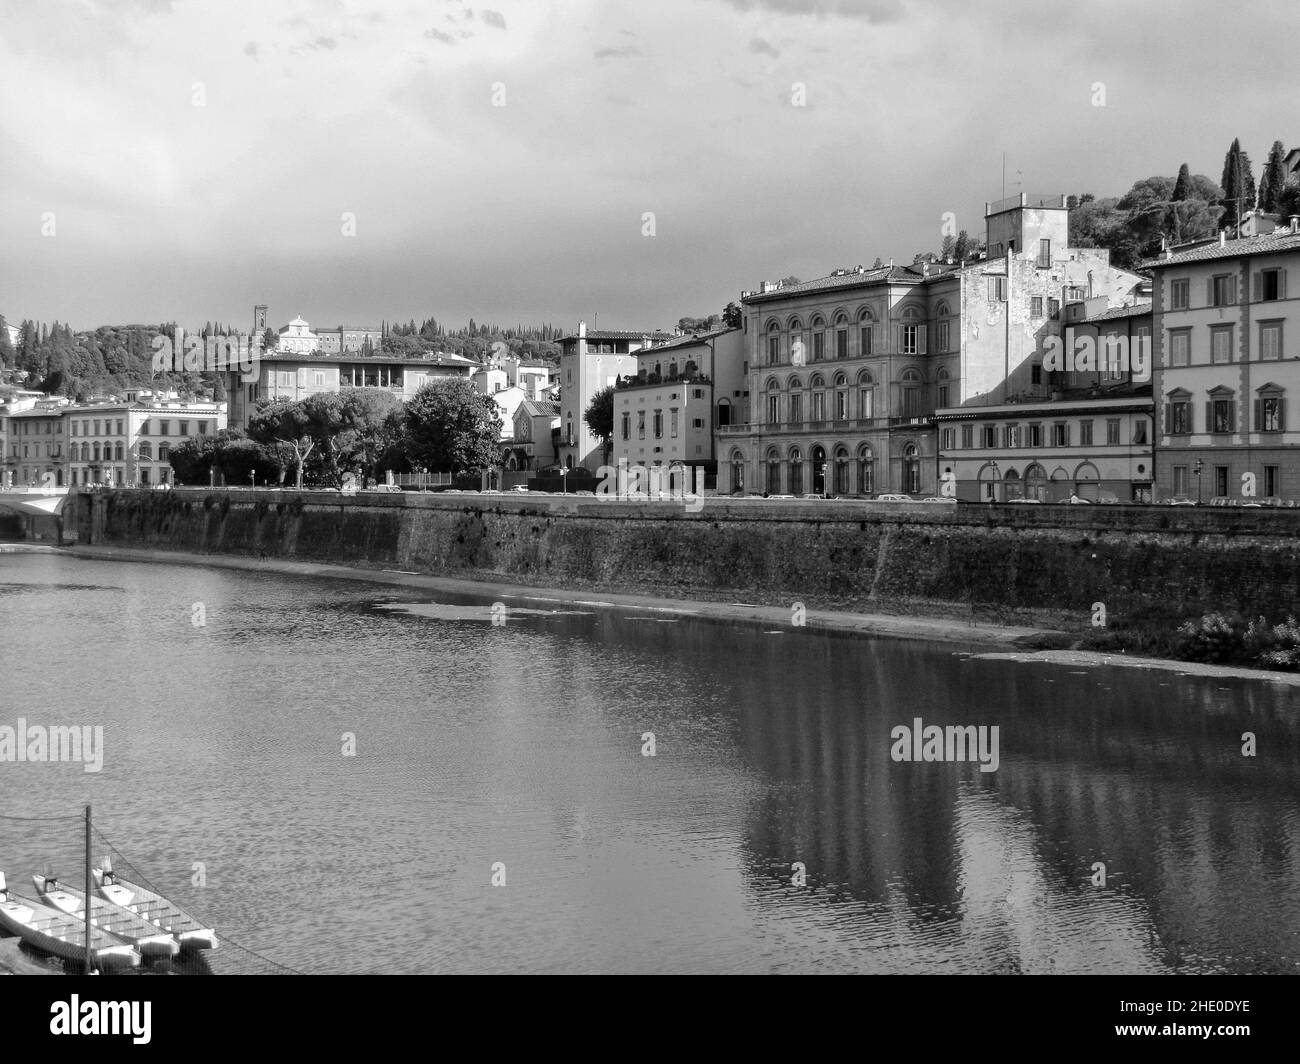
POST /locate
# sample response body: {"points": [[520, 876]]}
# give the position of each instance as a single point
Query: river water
{"points": [[770, 832]]}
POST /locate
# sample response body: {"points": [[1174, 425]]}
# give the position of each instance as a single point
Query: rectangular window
{"points": [[184, 429], [796, 407], [97, 432], [1270, 341], [948, 439], [659, 424], [203, 428], [640, 424], [1271, 481], [967, 435], [1011, 436], [1221, 343], [627, 425], [1178, 294], [1180, 347], [841, 406], [119, 428], [908, 334], [943, 335], [1061, 434], [1180, 480], [819, 406], [1270, 286], [320, 380], [1044, 254], [1269, 416], [1112, 431], [1085, 433], [672, 422], [1221, 480], [773, 350], [819, 346], [841, 343], [943, 396], [1074, 294], [1180, 418], [997, 289], [1223, 290], [1221, 417], [1140, 431], [163, 428], [1036, 373], [1053, 308], [771, 410], [697, 423], [1035, 435], [989, 436], [1035, 306]]}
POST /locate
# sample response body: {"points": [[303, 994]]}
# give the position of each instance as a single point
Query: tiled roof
{"points": [[1134, 311], [689, 340], [535, 409], [912, 274], [1265, 244]]}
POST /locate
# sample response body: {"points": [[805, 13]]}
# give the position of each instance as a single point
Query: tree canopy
{"points": [[451, 427]]}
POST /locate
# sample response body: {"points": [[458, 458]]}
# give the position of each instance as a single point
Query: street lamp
{"points": [[1197, 470]]}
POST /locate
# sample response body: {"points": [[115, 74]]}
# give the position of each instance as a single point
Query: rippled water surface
{"points": [[521, 744]]}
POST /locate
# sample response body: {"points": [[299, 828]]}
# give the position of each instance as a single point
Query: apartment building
{"points": [[129, 443], [1227, 358]]}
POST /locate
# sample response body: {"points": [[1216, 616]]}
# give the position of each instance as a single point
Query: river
{"points": [[334, 774]]}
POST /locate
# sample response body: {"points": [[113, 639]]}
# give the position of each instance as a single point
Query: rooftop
{"points": [[617, 334], [916, 273], [542, 409], [1136, 310], [1266, 244], [689, 340]]}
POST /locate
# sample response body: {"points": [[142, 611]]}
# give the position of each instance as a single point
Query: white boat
{"points": [[154, 908], [150, 940], [54, 931]]}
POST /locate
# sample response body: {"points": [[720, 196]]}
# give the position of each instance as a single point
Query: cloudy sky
{"points": [[194, 158]]}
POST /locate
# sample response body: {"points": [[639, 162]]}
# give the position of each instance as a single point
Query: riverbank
{"points": [[13, 961], [1024, 643], [767, 615]]}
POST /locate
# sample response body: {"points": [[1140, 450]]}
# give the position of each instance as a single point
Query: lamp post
{"points": [[1197, 470], [993, 488]]}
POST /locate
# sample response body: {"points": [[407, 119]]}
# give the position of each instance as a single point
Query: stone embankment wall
{"points": [[1172, 560]]}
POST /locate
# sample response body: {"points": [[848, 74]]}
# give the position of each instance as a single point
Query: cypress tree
{"points": [[1273, 178]]}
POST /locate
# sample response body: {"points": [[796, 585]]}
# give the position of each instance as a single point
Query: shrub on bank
{"points": [[1232, 641]]}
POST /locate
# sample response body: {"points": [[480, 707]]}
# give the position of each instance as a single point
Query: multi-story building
{"points": [[535, 435], [129, 443], [294, 377], [35, 439], [1227, 357], [590, 361], [349, 339], [665, 415], [297, 338], [1083, 431]]}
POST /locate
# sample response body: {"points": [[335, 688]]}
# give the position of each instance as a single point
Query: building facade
{"points": [[349, 339], [590, 361], [1227, 343], [129, 444]]}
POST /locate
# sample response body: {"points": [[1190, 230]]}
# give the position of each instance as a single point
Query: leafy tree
{"points": [[961, 247], [7, 353], [287, 422], [948, 248], [269, 339], [1238, 183], [451, 427], [599, 417], [731, 316], [1288, 200], [792, 279], [1273, 178]]}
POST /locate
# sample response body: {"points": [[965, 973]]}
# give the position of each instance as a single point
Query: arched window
{"points": [[146, 451], [910, 389], [773, 343], [911, 468], [798, 356], [1036, 482], [841, 397], [818, 401], [941, 391], [841, 335], [737, 471], [818, 338], [819, 470], [866, 471], [911, 333], [866, 396], [841, 470], [724, 412], [796, 401], [796, 471], [866, 325], [773, 463]]}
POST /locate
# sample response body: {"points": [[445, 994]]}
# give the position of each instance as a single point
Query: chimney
{"points": [[582, 328], [1223, 237]]}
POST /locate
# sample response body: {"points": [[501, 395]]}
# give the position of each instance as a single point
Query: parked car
{"points": [[894, 497], [1034, 502], [520, 489], [1180, 500], [940, 498]]}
